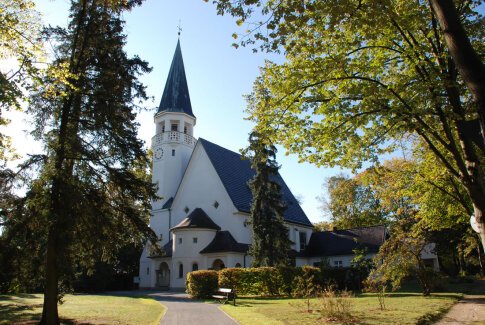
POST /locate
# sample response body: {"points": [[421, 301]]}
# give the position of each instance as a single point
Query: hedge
{"points": [[268, 281], [202, 284]]}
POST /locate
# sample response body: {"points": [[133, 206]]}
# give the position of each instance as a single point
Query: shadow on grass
{"points": [[17, 296]]}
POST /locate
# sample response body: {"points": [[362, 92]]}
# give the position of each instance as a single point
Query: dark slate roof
{"points": [[235, 174], [168, 204], [343, 242], [224, 242], [166, 250], [197, 219], [175, 96]]}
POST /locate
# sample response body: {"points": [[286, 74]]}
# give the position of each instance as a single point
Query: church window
{"points": [[185, 129], [181, 270], [216, 204], [194, 240], [302, 240], [186, 209], [173, 152], [163, 127], [180, 240], [148, 270], [238, 265], [175, 127], [195, 267]]}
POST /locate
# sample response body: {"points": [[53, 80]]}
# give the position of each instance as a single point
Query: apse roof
{"points": [[224, 242], [197, 219], [175, 96], [235, 174]]}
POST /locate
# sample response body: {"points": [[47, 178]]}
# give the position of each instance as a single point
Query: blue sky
{"points": [[218, 76]]}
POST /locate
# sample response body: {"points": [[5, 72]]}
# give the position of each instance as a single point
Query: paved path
{"points": [[183, 310]]}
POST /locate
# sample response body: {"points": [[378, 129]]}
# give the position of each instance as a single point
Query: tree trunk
{"points": [[49, 312], [467, 61]]}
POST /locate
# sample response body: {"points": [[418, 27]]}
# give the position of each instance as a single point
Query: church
{"points": [[202, 216]]}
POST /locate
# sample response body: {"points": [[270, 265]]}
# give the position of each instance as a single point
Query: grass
{"points": [[401, 308], [82, 309]]}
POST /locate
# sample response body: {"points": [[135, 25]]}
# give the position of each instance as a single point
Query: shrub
{"points": [[335, 306], [202, 284]]}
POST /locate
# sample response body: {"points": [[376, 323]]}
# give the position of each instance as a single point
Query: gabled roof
{"points": [[235, 173], [224, 242], [343, 242], [175, 96], [197, 219], [168, 204]]}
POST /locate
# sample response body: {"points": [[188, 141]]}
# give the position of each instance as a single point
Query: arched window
{"points": [[238, 265], [181, 270], [195, 266], [218, 265]]}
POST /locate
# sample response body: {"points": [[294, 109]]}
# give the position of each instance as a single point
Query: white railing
{"points": [[173, 137]]}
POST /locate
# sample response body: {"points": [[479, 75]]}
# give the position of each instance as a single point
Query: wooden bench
{"points": [[224, 295]]}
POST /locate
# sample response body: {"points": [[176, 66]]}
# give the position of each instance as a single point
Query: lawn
{"points": [[82, 309], [401, 308]]}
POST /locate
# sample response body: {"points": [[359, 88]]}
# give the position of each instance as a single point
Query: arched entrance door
{"points": [[218, 265], [163, 276]]}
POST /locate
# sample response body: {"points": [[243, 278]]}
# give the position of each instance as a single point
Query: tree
{"points": [[270, 244], [20, 49], [88, 200], [400, 257], [352, 204], [347, 88]]}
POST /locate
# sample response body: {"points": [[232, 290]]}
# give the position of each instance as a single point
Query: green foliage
{"points": [[20, 49], [352, 204], [202, 284], [347, 92], [270, 244]]}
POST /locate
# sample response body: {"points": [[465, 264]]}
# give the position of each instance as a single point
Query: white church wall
{"points": [[201, 188], [189, 242]]}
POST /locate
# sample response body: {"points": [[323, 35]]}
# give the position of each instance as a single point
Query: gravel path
{"points": [[469, 310]]}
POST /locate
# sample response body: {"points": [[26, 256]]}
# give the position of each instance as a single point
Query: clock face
{"points": [[158, 153]]}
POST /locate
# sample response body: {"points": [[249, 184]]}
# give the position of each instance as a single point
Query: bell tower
{"points": [[173, 142]]}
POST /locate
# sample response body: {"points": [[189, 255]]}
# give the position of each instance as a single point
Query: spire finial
{"points": [[179, 28]]}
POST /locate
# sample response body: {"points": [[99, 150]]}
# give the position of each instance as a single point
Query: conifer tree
{"points": [[271, 244], [88, 199]]}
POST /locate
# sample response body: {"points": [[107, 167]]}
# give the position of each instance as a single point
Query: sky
{"points": [[218, 76]]}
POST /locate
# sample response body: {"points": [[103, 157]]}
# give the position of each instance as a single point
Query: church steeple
{"points": [[175, 96]]}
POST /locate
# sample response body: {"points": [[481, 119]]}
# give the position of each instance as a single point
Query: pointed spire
{"points": [[175, 96]]}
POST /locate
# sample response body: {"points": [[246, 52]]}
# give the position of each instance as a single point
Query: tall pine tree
{"points": [[88, 200], [271, 244]]}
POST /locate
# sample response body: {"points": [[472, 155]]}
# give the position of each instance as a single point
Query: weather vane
{"points": [[179, 28]]}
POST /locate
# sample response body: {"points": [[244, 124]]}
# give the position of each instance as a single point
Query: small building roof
{"points": [[235, 173], [197, 219], [166, 250], [175, 96], [344, 242], [224, 242]]}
